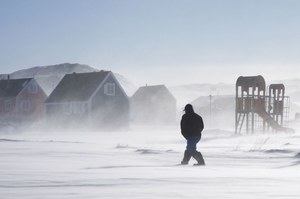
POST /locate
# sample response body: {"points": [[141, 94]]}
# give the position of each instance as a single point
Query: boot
{"points": [[198, 156], [186, 158]]}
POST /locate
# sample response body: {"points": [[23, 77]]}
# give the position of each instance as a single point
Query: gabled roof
{"points": [[149, 92], [12, 87], [77, 87]]}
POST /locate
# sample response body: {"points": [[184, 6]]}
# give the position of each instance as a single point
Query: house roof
{"points": [[12, 87], [77, 87], [148, 92]]}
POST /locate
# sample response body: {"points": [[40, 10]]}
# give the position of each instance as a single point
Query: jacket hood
{"points": [[189, 109]]}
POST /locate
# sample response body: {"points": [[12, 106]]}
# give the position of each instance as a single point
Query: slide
{"points": [[260, 110]]}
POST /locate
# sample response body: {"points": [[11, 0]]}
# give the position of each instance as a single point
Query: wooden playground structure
{"points": [[257, 110]]}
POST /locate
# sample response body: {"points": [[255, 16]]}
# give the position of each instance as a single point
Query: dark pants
{"points": [[192, 142], [191, 151]]}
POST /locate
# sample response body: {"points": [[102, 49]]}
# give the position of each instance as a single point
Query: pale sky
{"points": [[155, 41]]}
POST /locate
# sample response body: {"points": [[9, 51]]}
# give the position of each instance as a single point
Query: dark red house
{"points": [[21, 100]]}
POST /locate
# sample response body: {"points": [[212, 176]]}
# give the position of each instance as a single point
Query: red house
{"points": [[21, 100]]}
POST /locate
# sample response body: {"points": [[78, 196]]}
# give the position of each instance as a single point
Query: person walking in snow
{"points": [[191, 125]]}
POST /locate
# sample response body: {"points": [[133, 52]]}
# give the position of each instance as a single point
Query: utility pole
{"points": [[210, 97]]}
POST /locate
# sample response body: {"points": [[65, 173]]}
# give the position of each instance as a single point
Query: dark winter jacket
{"points": [[191, 124]]}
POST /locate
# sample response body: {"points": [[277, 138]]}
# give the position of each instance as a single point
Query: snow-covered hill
{"points": [[49, 76], [58, 69], [188, 93], [291, 85], [295, 96], [217, 111]]}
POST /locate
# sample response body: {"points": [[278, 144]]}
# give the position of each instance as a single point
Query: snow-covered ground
{"points": [[142, 163]]}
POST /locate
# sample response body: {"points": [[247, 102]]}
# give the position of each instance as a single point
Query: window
{"points": [[79, 108], [8, 105], [25, 105], [67, 109], [109, 89]]}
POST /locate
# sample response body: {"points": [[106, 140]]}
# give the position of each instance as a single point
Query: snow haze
{"points": [[197, 49]]}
